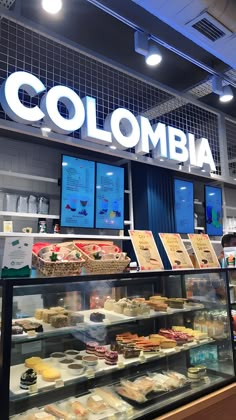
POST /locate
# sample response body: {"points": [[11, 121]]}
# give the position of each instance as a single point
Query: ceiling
{"points": [[93, 28]]}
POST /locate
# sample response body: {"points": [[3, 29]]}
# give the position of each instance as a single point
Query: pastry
{"points": [[51, 409], [59, 321], [91, 347], [168, 344], [109, 398], [131, 309], [30, 326], [96, 404], [175, 303], [111, 357], [16, 330], [28, 378], [58, 309], [41, 415], [48, 314], [108, 304], [131, 392], [39, 314], [78, 409], [100, 351], [32, 361], [144, 384], [129, 353], [51, 375], [97, 317], [75, 318], [40, 367]]}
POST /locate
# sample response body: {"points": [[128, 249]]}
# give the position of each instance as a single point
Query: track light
{"points": [[150, 51], [52, 6], [225, 92]]}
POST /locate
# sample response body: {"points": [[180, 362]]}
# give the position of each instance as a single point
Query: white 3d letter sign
{"points": [[121, 127]]}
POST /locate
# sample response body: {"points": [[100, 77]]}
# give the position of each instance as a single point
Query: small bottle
{"points": [[56, 228]]}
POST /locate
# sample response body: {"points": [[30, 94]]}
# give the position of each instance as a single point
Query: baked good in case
{"points": [[129, 353], [75, 318], [16, 330], [41, 415], [48, 314], [59, 321], [32, 361], [51, 409], [96, 404], [168, 344], [51, 375], [91, 347], [39, 314], [97, 317], [41, 367], [109, 304], [28, 378], [111, 357], [100, 351]]}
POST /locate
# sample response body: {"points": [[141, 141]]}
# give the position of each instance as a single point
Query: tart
{"points": [[51, 375], [32, 361]]}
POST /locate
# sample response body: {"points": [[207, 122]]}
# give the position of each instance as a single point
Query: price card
{"points": [[120, 365], [90, 373], [59, 383], [33, 389], [17, 257], [204, 251], [176, 251], [142, 358], [31, 334], [146, 250]]}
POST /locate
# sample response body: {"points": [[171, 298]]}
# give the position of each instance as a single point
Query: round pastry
{"points": [[65, 362], [15, 330], [111, 357], [91, 346], [51, 375], [28, 378], [97, 317], [100, 351], [72, 353], [32, 361], [39, 368]]}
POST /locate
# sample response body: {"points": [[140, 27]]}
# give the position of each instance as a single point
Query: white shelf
{"points": [[29, 215], [64, 235]]}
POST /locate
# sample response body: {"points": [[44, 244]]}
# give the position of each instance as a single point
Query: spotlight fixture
{"points": [[225, 92], [149, 51], [52, 6]]}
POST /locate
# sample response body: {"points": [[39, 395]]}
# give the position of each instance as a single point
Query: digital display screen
{"points": [[213, 209], [77, 192], [184, 206], [109, 197]]}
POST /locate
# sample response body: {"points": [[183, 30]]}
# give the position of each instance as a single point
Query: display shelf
{"points": [[112, 318], [102, 369], [29, 215]]}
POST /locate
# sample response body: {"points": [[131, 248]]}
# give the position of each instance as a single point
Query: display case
{"points": [[122, 346]]}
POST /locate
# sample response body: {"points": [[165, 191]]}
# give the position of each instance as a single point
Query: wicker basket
{"points": [[58, 268], [92, 266]]}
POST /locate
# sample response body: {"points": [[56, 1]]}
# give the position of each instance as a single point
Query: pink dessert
{"points": [[91, 347], [100, 352], [111, 357]]}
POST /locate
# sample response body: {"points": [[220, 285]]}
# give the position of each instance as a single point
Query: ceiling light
{"points": [[149, 51], [153, 57], [227, 94], [52, 6]]}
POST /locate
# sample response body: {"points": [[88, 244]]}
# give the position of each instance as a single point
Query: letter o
{"points": [[123, 120], [74, 105]]}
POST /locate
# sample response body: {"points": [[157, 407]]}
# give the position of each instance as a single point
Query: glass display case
{"points": [[119, 346]]}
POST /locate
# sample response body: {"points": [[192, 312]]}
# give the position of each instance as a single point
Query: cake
{"points": [[143, 309], [91, 347], [100, 351], [57, 309], [168, 344], [131, 309], [30, 326], [40, 367], [48, 314], [59, 321], [32, 361], [97, 317], [51, 375], [28, 378], [111, 357], [176, 303], [75, 318], [16, 330], [39, 314], [129, 352]]}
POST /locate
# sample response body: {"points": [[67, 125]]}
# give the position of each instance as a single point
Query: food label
{"points": [[97, 398], [59, 383], [176, 251], [33, 389], [204, 251], [17, 257], [120, 365], [90, 374], [146, 250], [31, 333]]}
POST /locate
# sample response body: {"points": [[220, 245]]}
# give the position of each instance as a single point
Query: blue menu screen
{"points": [[213, 207], [77, 192], [109, 197], [184, 206]]}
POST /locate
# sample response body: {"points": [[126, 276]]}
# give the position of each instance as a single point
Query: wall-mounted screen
{"points": [[184, 206], [109, 197], [77, 192], [213, 211]]}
